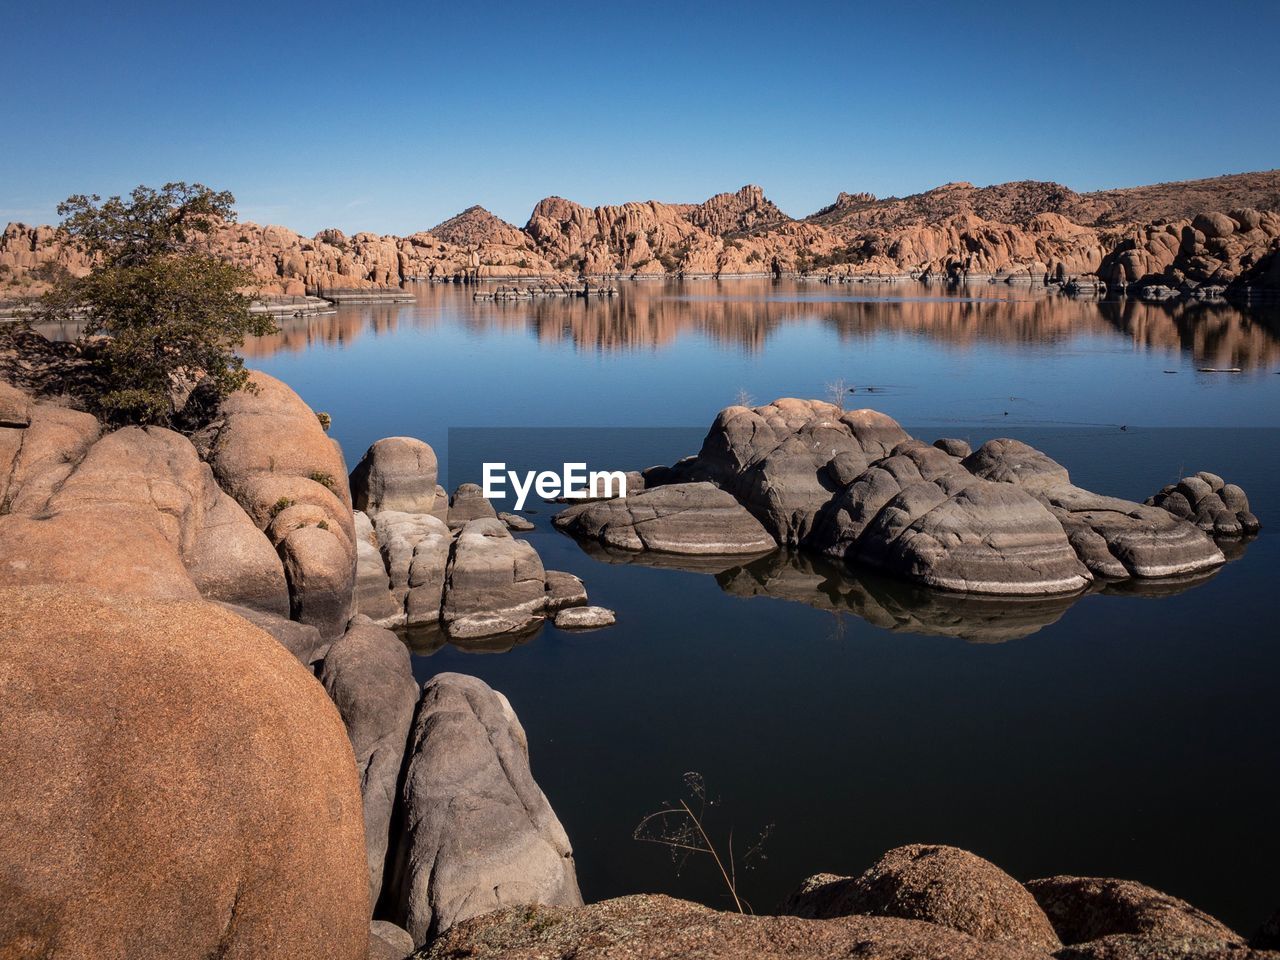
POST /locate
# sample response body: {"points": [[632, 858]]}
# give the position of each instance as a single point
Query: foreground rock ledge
{"points": [[648, 927]]}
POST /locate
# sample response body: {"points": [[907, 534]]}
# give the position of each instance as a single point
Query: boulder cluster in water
{"points": [[426, 558], [1002, 520]]}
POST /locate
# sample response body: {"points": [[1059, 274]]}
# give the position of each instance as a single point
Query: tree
{"points": [[170, 313]]}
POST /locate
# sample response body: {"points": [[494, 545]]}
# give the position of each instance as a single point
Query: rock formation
{"points": [[368, 675], [175, 785], [685, 518], [941, 885], [478, 833], [1201, 235], [1004, 520]]}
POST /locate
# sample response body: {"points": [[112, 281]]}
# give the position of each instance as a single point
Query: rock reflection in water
{"points": [[746, 313], [892, 604]]}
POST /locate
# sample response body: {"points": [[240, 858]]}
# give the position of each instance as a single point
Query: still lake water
{"points": [[1131, 733]]}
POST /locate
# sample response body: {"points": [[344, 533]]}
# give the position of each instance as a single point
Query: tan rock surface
{"points": [[176, 785]]}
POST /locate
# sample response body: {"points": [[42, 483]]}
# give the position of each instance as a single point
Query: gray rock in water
{"points": [[397, 473], [1119, 538], [1113, 537], [684, 518], [973, 536], [494, 583], [1012, 461], [478, 832], [415, 550], [515, 522], [920, 515], [784, 461], [1215, 506], [564, 590], [468, 503], [584, 618], [369, 676]]}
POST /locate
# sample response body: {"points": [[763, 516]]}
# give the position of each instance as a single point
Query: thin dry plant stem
{"points": [[712, 850]]}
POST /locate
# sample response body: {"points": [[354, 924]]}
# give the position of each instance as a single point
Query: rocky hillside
{"points": [[476, 227], [1164, 239]]}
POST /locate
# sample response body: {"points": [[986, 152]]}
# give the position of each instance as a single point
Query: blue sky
{"points": [[392, 117]]}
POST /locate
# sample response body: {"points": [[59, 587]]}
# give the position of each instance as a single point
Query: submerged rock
{"points": [[686, 518], [176, 785], [584, 618], [478, 832], [396, 473], [942, 885]]}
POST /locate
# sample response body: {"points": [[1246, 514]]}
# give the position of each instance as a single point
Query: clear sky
{"points": [[392, 117]]}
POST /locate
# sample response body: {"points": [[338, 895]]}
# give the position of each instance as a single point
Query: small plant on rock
{"points": [[682, 828]]}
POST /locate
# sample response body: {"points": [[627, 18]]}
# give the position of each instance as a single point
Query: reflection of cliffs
{"points": [[745, 313], [1202, 232]]}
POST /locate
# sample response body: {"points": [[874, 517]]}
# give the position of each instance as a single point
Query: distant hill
{"points": [[476, 226]]}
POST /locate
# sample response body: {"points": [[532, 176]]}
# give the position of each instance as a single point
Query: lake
{"points": [[1129, 732]]}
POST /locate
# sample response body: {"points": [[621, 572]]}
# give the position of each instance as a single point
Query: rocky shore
{"points": [[1202, 239], [215, 745]]}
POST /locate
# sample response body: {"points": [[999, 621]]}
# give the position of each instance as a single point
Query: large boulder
{"points": [[920, 516], [478, 833], [94, 547], [1090, 908], [396, 473], [1114, 538], [35, 458], [415, 552], [784, 461], [369, 675], [938, 884], [269, 451], [647, 927], [494, 583], [468, 503], [684, 518], [152, 476], [176, 785]]}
